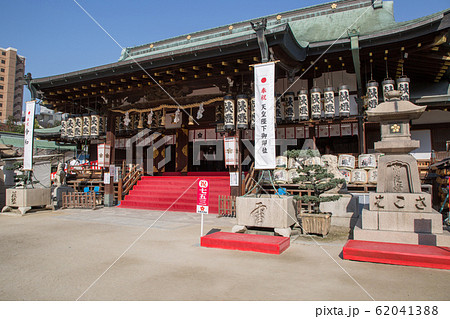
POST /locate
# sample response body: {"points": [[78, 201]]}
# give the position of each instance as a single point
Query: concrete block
{"points": [[410, 222], [440, 239], [346, 206], [369, 219]]}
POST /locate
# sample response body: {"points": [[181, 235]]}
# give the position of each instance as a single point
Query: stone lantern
{"points": [[398, 211]]}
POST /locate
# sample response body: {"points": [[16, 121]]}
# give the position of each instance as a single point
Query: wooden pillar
{"points": [[237, 190], [110, 140], [182, 146], [159, 153]]}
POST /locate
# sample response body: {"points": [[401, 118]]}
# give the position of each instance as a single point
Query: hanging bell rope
{"points": [[167, 106]]}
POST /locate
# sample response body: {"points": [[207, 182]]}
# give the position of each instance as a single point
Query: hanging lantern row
{"points": [[83, 127], [387, 85], [236, 111], [329, 103]]}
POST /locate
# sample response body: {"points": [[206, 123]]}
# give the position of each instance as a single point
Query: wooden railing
{"points": [[249, 181], [79, 200], [227, 206], [129, 180]]}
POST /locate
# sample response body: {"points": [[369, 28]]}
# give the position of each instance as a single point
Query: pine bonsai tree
{"points": [[314, 177]]}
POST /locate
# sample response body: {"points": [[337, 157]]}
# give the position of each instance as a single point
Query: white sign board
{"points": [[28, 136], [202, 196], [234, 179], [103, 153], [106, 178], [231, 151], [264, 116]]}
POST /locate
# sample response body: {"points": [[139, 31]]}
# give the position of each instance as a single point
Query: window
{"points": [[2, 70], [3, 61], [1, 104], [1, 87], [1, 96], [3, 53], [2, 78]]}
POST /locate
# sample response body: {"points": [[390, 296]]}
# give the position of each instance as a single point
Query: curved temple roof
{"points": [[311, 27]]}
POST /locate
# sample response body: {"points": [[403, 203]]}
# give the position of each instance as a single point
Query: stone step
{"points": [[398, 254], [401, 237], [246, 242]]}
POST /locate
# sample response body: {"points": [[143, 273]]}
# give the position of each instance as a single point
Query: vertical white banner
{"points": [[264, 116], [28, 136]]}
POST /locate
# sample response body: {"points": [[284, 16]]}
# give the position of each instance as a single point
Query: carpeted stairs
{"points": [[162, 192]]}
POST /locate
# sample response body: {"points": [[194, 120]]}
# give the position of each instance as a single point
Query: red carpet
{"points": [[246, 242], [398, 254], [160, 192]]}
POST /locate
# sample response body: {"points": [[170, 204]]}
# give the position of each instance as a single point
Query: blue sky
{"points": [[56, 36]]}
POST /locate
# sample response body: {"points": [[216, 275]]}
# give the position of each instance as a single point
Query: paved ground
{"points": [[58, 255]]}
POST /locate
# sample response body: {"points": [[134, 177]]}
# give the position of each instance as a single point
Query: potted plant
{"points": [[316, 180]]}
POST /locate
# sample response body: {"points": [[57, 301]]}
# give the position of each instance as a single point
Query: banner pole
{"points": [[201, 229]]}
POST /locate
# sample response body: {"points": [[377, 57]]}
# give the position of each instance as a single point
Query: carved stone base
{"points": [[401, 202], [23, 210], [285, 232], [402, 221], [239, 229], [401, 237], [6, 209]]}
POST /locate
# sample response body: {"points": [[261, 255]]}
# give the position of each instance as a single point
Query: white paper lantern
{"points": [[388, 85], [70, 127], [242, 112], [219, 113], [303, 105], [86, 126], [63, 129], [95, 126], [78, 128], [289, 113], [316, 103], [403, 87], [252, 110], [344, 101], [328, 95], [278, 109], [228, 111], [372, 94]]}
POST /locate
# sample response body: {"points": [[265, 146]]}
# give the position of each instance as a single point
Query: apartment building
{"points": [[12, 70]]}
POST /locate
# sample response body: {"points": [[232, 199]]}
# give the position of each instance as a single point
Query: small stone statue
{"points": [[60, 178]]}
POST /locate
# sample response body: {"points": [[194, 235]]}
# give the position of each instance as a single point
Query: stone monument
{"points": [[265, 211], [399, 211]]}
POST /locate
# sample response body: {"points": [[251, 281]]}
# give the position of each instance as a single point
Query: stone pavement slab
{"points": [[58, 255]]}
